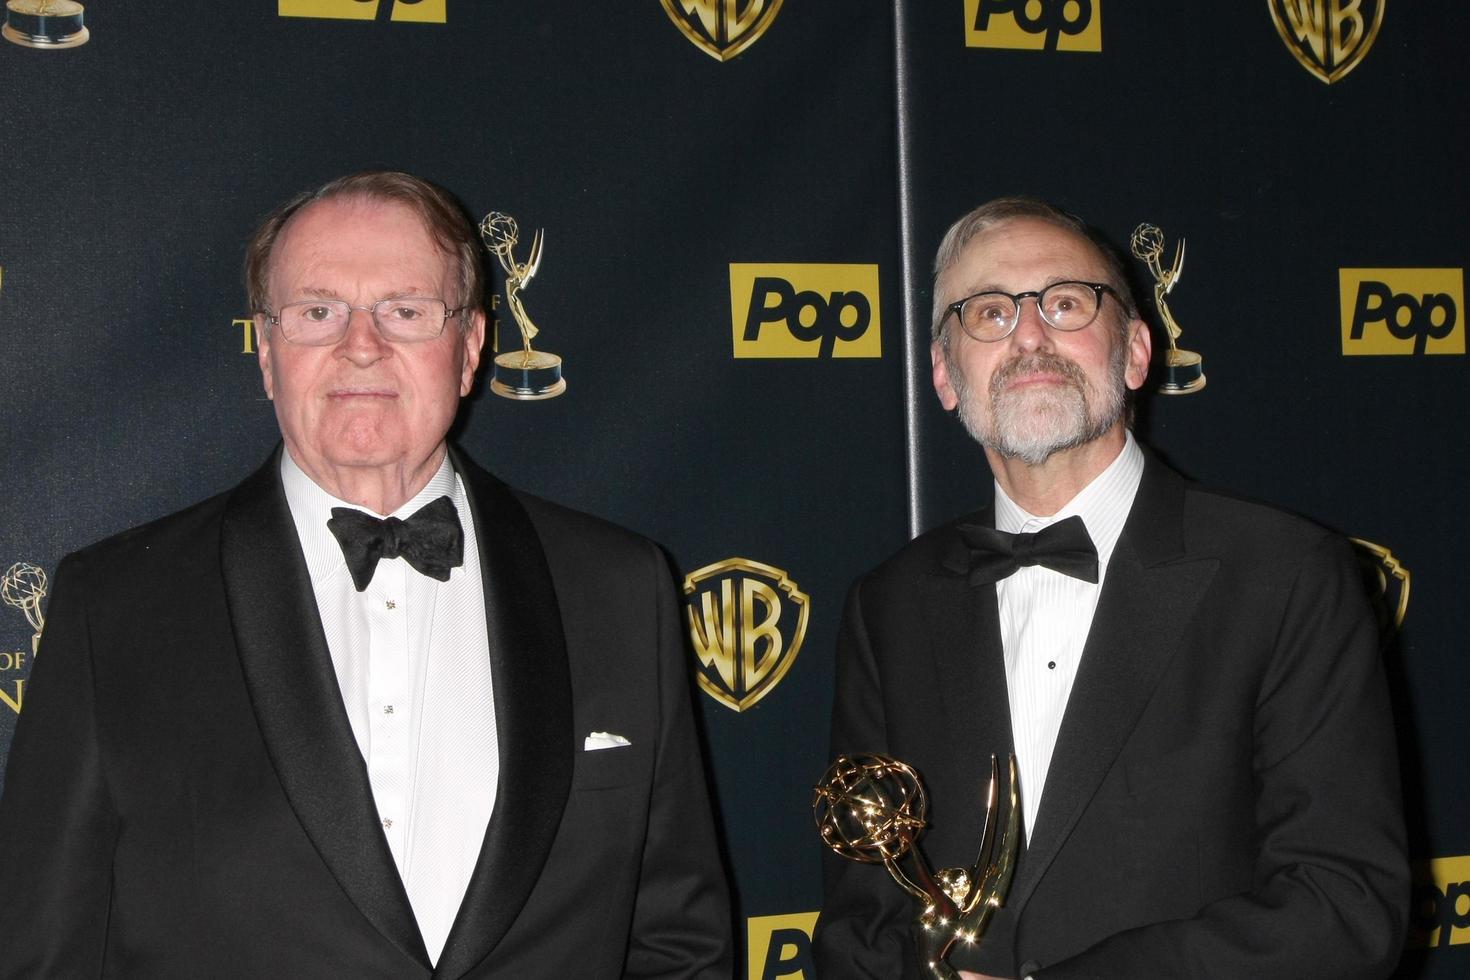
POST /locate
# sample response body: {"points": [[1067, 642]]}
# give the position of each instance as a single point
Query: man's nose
{"points": [[1032, 332], [362, 344]]}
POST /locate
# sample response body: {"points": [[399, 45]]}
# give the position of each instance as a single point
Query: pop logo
{"points": [[779, 947], [747, 621], [1402, 311], [805, 310], [1439, 912], [1034, 25], [410, 11]]}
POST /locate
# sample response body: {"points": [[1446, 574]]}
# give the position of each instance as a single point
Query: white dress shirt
{"points": [[412, 661], [1045, 617]]}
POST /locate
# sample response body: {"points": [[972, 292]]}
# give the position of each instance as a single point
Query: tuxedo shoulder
{"points": [[1231, 520], [165, 539], [924, 555], [562, 528]]}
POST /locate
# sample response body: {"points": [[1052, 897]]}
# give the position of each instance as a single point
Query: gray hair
{"points": [[1004, 209], [441, 214]]}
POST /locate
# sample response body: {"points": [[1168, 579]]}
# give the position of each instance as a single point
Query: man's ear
{"points": [[1140, 349], [263, 353], [939, 366], [474, 342]]}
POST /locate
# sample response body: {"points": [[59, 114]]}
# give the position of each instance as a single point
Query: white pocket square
{"points": [[603, 740]]}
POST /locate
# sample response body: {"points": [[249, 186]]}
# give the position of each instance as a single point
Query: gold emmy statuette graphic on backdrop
{"points": [[1183, 370], [1328, 37], [721, 28], [24, 586], [872, 808], [44, 23], [1382, 566], [526, 374]]}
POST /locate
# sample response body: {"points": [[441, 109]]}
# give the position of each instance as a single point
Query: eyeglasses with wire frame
{"points": [[993, 315], [402, 319]]}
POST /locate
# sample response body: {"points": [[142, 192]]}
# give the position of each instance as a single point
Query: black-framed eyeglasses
{"points": [[405, 319], [992, 316]]}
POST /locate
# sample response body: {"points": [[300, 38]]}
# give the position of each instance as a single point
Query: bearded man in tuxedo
{"points": [[372, 713], [1190, 682]]}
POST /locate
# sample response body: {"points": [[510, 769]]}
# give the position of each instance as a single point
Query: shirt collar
{"points": [[311, 508], [1103, 504]]}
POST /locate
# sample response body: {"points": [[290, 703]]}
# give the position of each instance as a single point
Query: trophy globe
{"points": [[1147, 243], [24, 586], [870, 808]]}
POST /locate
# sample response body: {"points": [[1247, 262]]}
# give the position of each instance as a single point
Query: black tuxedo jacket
{"points": [[1223, 801], [185, 798]]}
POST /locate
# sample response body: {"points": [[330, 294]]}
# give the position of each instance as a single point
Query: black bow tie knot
{"points": [[1063, 547], [431, 540]]}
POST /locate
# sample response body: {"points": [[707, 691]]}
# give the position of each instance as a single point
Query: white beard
{"points": [[1036, 422]]}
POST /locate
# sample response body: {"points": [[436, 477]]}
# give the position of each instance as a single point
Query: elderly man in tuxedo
{"points": [[372, 713], [1189, 681]]}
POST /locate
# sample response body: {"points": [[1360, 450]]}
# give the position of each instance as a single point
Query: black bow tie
{"points": [[431, 540], [1063, 547]]}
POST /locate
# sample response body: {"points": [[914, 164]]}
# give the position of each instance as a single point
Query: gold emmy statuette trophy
{"points": [[44, 23], [525, 374], [24, 586], [1184, 372], [872, 808]]}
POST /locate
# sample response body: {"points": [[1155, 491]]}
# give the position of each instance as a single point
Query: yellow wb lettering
{"points": [[1347, 28], [1308, 23], [757, 662], [713, 629]]}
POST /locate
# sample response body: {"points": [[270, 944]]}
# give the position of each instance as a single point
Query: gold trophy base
{"points": [[43, 25], [1184, 373], [527, 376]]}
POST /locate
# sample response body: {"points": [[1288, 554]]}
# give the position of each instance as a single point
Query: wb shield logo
{"points": [[747, 621], [1328, 37], [722, 28], [807, 310], [1034, 25], [1402, 311], [411, 11]]}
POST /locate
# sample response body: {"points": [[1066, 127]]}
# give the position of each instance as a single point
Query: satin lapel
{"points": [[293, 688], [1149, 596], [969, 681], [533, 719], [964, 631]]}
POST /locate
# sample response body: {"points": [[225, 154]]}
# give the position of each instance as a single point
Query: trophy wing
{"points": [[534, 262], [1178, 268], [987, 836], [997, 882]]}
